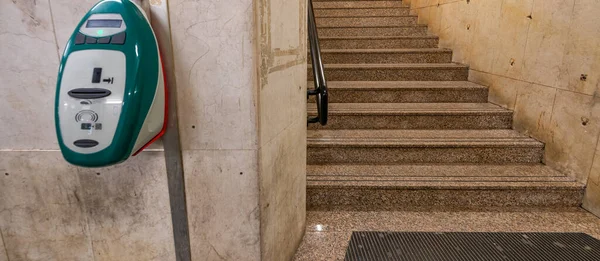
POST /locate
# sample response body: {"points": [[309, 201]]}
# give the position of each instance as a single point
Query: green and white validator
{"points": [[110, 98]]}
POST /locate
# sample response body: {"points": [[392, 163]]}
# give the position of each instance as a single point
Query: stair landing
{"points": [[328, 232]]}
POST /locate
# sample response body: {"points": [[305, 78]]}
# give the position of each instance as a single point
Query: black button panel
{"points": [[104, 40], [90, 40], [115, 39], [79, 38], [118, 38]]}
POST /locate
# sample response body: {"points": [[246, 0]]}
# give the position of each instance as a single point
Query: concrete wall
{"points": [[50, 210], [241, 77], [282, 125], [540, 58]]}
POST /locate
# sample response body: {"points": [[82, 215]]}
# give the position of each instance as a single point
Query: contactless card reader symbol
{"points": [[113, 115]]}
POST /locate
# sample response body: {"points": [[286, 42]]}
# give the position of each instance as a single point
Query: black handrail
{"points": [[320, 90]]}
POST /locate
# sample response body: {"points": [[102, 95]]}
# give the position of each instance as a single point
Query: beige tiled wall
{"points": [[50, 210], [532, 54]]}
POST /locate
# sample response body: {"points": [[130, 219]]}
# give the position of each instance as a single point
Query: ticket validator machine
{"points": [[110, 98]]}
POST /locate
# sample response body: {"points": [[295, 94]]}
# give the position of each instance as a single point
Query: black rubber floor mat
{"points": [[466, 246]]}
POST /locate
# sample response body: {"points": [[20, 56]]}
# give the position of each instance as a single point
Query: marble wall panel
{"points": [[223, 204], [456, 31], [502, 91], [546, 41], [51, 210], [282, 127], [283, 193], [66, 15], [28, 75], [214, 53], [575, 127], [485, 42], [42, 216], [582, 50], [533, 110], [128, 211], [512, 37]]}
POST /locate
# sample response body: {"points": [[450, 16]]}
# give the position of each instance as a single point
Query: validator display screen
{"points": [[104, 23]]}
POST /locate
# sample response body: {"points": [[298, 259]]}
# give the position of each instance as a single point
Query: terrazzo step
{"points": [[414, 116], [377, 42], [357, 4], [405, 91], [361, 12], [374, 56], [366, 21], [406, 30], [391, 187], [421, 146], [394, 72]]}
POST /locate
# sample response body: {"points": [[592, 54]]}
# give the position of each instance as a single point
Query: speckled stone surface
{"points": [[414, 116], [385, 198], [395, 72], [377, 42], [389, 146], [357, 4], [368, 12], [328, 232], [366, 21], [412, 30], [421, 146], [405, 92], [450, 154], [357, 56]]}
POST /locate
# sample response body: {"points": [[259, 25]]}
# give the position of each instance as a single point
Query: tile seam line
{"points": [[438, 5], [54, 30], [4, 245], [515, 79]]}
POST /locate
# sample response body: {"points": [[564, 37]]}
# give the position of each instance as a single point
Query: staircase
{"points": [[406, 128]]}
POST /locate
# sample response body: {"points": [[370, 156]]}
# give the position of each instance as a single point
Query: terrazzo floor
{"points": [[328, 232]]}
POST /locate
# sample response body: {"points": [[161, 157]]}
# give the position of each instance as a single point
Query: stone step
{"points": [[361, 12], [366, 21], [394, 72], [406, 30], [381, 187], [405, 91], [357, 4], [374, 56], [414, 116], [378, 42], [421, 146]]}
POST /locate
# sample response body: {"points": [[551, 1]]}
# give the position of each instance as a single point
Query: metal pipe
{"points": [[318, 71]]}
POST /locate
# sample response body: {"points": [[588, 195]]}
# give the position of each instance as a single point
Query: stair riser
{"points": [[396, 199], [401, 155], [406, 96], [364, 12], [394, 74], [378, 43], [501, 121], [418, 57], [357, 4], [366, 21], [373, 31]]}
